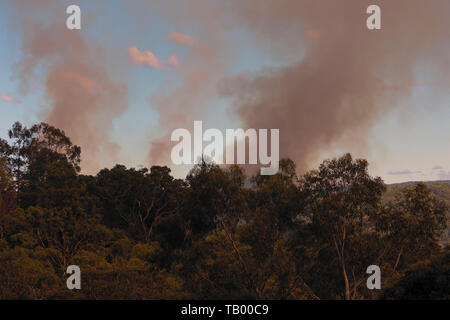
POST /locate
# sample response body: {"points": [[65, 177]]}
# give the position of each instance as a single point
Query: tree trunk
{"points": [[398, 260], [347, 285]]}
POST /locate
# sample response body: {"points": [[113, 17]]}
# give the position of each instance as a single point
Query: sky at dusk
{"points": [[137, 70]]}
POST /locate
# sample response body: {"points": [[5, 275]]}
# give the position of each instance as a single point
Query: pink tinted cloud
{"points": [[173, 60], [145, 58], [7, 98], [180, 38], [313, 34], [80, 79], [408, 84]]}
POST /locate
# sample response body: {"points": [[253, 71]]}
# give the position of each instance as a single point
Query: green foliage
{"points": [[7, 194], [441, 189], [428, 279], [141, 234], [340, 201]]}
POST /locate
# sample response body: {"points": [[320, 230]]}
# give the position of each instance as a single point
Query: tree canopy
{"points": [[217, 234]]}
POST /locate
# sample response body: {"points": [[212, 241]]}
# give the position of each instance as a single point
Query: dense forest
{"points": [[441, 189], [217, 234]]}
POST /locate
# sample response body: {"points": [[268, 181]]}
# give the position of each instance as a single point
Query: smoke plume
{"points": [[333, 81], [83, 100], [337, 76]]}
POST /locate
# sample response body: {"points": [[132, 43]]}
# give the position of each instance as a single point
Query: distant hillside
{"points": [[439, 188]]}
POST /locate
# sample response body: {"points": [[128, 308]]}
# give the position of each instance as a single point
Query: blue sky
{"points": [[401, 146]]}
